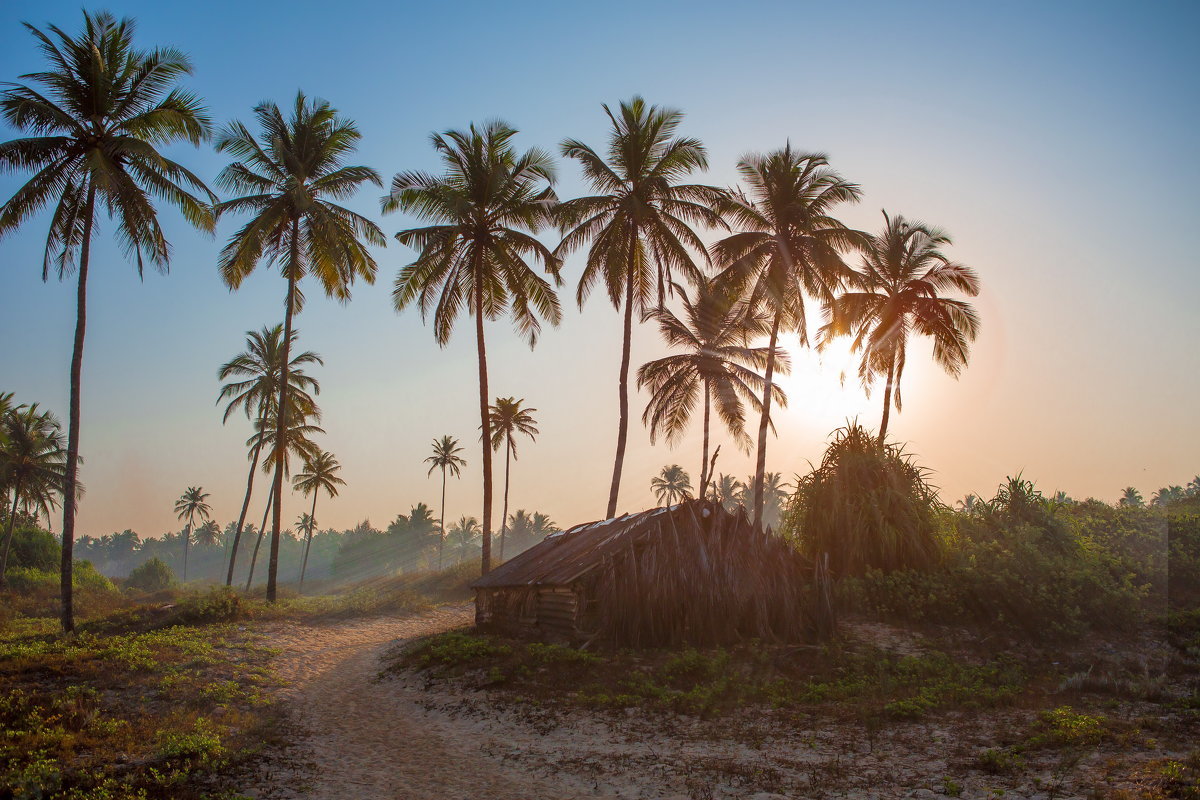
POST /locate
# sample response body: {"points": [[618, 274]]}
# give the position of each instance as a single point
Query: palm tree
{"points": [[305, 524], [671, 485], [462, 537], [968, 504], [1167, 495], [445, 457], [32, 464], [476, 254], [255, 388], [899, 292], [507, 418], [289, 178], [207, 534], [786, 247], [775, 495], [716, 363], [1131, 498], [1193, 487], [730, 491], [640, 212], [95, 123], [191, 503], [320, 472]]}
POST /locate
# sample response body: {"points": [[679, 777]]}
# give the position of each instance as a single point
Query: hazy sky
{"points": [[1056, 142]]}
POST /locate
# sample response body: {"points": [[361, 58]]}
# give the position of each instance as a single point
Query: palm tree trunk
{"points": [[237, 536], [704, 460], [504, 518], [12, 518], [485, 424], [68, 537], [262, 530], [887, 398], [281, 435], [187, 534], [442, 521], [764, 422], [623, 385], [312, 523]]}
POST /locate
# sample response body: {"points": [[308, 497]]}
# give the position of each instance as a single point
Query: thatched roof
{"points": [[565, 556]]}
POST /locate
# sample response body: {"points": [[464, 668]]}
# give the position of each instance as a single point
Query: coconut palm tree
{"points": [[191, 503], [968, 504], [462, 537], [507, 418], [787, 246], [716, 363], [94, 124], [445, 457], [1131, 498], [476, 253], [640, 224], [306, 525], [289, 178], [33, 459], [671, 485], [320, 472], [730, 491], [255, 389], [897, 293], [208, 534], [1167, 495]]}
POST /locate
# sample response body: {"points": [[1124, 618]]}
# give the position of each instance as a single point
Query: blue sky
{"points": [[1055, 142]]}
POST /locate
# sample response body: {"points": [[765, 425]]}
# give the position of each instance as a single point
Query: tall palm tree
{"points": [[191, 503], [640, 224], [33, 459], [507, 418], [899, 292], [320, 472], [716, 363], [1131, 498], [255, 389], [671, 485], [95, 123], [787, 246], [476, 253], [289, 178], [445, 457]]}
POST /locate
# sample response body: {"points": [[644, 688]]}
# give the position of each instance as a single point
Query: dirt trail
{"points": [[359, 738]]}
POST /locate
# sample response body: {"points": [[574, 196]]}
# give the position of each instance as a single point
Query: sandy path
{"points": [[360, 739]]}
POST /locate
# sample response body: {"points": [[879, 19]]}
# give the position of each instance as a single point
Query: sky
{"points": [[1055, 142]]}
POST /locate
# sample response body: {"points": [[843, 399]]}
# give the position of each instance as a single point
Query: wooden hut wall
{"points": [[556, 611], [509, 609]]}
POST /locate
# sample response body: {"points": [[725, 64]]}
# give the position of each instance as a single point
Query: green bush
{"points": [[151, 576], [34, 547], [28, 580]]}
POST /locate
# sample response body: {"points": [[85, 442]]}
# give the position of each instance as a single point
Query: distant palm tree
{"points": [[193, 502], [320, 472], [541, 525], [715, 363], [96, 122], [306, 525], [968, 504], [256, 390], [1131, 498], [898, 293], [730, 491], [288, 179], [1167, 495], [208, 534], [641, 212], [462, 537], [33, 460], [1193, 487], [775, 495], [671, 485], [787, 246], [476, 254], [445, 457], [1061, 498], [507, 418]]}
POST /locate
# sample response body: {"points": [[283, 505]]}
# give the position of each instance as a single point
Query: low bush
{"points": [[151, 576]]}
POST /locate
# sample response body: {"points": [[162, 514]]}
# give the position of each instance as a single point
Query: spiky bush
{"points": [[868, 506]]}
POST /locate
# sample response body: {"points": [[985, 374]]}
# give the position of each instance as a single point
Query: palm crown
{"points": [[508, 418], [320, 473], [255, 373], [445, 456], [671, 485]]}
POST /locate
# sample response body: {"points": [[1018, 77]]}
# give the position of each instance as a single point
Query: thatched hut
{"points": [[692, 573]]}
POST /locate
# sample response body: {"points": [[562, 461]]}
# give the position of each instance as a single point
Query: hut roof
{"points": [[563, 557]]}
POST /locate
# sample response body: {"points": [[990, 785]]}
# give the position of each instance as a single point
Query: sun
{"points": [[824, 384]]}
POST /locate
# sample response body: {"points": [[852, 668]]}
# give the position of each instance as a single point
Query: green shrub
{"points": [[151, 576], [30, 580], [868, 506], [34, 547]]}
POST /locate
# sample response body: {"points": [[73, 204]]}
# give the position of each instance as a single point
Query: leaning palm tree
{"points": [[475, 255], [254, 389], [191, 503], [33, 459], [716, 363], [640, 224], [289, 178], [899, 293], [320, 472], [507, 418], [445, 457], [95, 125], [787, 246], [671, 485]]}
